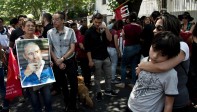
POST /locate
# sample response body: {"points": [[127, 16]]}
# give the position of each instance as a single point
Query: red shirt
{"points": [[132, 34]]}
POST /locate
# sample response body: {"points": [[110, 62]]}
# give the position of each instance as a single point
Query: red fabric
{"points": [[13, 85], [80, 39], [122, 11], [185, 36], [132, 34]]}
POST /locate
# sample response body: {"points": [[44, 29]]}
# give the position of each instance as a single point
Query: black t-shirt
{"points": [[15, 34], [46, 29], [96, 43]]}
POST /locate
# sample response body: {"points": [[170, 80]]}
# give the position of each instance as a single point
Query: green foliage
{"points": [[113, 4], [74, 8]]}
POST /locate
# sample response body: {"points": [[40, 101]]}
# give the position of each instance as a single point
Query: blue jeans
{"points": [[114, 60], [3, 89], [105, 66], [35, 99], [130, 57]]}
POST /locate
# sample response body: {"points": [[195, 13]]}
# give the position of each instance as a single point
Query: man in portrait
{"points": [[35, 72]]}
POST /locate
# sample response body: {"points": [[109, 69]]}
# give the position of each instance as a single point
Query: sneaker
{"points": [[111, 93], [114, 81], [120, 85], [99, 96]]}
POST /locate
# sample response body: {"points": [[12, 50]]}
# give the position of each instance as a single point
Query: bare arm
{"points": [[53, 54], [169, 100], [70, 51], [108, 34], [91, 63], [163, 66], [116, 45]]}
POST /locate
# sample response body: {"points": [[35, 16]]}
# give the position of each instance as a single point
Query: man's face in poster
{"points": [[32, 54]]}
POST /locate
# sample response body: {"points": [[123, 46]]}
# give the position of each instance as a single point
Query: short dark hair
{"points": [[133, 17], [167, 43], [24, 16], [73, 24], [62, 15], [155, 14], [170, 23], [97, 16], [13, 21], [48, 16]]}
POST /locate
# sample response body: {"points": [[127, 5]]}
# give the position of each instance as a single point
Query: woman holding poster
{"points": [[32, 76]]}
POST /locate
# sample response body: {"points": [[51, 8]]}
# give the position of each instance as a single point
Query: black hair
{"points": [[155, 14], [118, 25], [97, 16], [171, 23], [13, 21], [133, 17], [62, 15], [73, 24], [167, 43], [24, 16], [194, 33], [48, 16]]}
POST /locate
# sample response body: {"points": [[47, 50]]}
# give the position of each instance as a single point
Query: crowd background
{"points": [[131, 40]]}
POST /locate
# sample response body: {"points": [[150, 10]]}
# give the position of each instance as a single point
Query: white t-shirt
{"points": [[184, 47], [148, 94]]}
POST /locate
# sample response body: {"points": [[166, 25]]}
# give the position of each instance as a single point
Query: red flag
{"points": [[13, 85], [122, 11]]}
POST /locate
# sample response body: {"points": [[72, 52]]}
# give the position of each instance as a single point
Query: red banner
{"points": [[13, 86], [122, 11]]}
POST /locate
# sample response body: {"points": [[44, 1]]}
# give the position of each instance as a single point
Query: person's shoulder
{"points": [[51, 30], [170, 73]]}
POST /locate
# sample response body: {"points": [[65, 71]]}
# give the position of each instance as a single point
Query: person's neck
{"points": [[185, 23], [60, 29], [29, 36]]}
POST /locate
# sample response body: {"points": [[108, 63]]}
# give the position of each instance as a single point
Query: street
{"points": [[108, 103]]}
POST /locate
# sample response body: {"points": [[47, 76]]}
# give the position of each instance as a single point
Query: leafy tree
{"points": [[73, 8]]}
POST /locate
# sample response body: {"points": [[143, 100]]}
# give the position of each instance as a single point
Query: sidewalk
{"points": [[108, 104]]}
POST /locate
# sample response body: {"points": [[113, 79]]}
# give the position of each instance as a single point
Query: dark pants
{"points": [[86, 71], [63, 77], [35, 98], [3, 89]]}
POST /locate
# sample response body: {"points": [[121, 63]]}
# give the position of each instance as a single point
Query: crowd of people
{"points": [[159, 49]]}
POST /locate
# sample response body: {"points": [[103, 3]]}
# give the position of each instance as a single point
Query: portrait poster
{"points": [[34, 62]]}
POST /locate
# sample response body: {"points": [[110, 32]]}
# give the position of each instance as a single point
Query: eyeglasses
{"points": [[159, 27]]}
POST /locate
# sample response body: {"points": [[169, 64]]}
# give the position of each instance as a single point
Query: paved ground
{"points": [[108, 104]]}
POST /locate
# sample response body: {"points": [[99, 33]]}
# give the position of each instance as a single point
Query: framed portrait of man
{"points": [[34, 62]]}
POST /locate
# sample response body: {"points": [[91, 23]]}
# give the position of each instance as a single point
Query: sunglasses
{"points": [[185, 17], [159, 27]]}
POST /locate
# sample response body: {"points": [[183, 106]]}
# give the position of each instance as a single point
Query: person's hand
{"points": [[119, 54], [51, 63], [59, 61], [31, 67], [91, 64], [62, 66], [137, 70]]}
